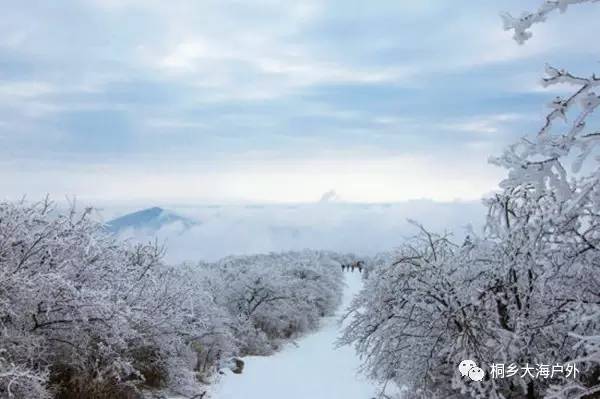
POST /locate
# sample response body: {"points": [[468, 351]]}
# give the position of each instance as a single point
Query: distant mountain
{"points": [[151, 219]]}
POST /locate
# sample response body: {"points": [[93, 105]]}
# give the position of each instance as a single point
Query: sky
{"points": [[270, 101]]}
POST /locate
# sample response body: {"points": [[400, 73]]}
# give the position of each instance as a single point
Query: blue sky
{"points": [[271, 101]]}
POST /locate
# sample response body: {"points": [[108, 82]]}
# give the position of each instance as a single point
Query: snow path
{"points": [[314, 369]]}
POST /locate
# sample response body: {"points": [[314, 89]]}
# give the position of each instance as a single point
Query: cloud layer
{"points": [[108, 98], [362, 229]]}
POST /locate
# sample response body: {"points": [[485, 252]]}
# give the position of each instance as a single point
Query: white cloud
{"points": [[24, 89], [351, 228], [356, 177], [226, 79], [487, 124], [172, 123]]}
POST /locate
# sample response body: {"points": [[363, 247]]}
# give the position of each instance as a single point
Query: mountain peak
{"points": [[153, 218]]}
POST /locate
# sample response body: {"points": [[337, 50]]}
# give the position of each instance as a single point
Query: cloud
{"points": [[27, 89], [261, 178], [165, 123], [118, 86], [485, 124], [350, 228], [329, 196]]}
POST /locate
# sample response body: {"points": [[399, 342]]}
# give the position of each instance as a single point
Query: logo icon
{"points": [[468, 368], [476, 374]]}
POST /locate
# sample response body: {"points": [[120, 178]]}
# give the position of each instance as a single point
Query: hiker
{"points": [[343, 267]]}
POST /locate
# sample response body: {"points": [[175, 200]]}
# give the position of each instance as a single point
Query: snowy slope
{"points": [[312, 369]]}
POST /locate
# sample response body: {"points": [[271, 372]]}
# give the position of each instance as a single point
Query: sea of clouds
{"points": [[363, 229]]}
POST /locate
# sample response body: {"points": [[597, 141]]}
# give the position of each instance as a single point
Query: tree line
{"points": [[84, 315]]}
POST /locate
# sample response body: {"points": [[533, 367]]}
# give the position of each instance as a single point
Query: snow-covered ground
{"points": [[312, 369]]}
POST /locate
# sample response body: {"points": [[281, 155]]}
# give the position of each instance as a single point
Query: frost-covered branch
{"points": [[19, 382], [547, 160], [520, 25], [561, 106]]}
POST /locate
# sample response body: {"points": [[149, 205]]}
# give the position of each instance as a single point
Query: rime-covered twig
{"points": [[520, 25]]}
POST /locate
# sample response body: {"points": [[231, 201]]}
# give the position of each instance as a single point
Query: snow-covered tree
{"points": [[526, 292], [275, 297], [83, 314]]}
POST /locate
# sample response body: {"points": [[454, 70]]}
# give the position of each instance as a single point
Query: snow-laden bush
{"points": [[420, 312], [77, 306], [83, 315], [526, 292], [62, 289], [19, 382], [275, 297]]}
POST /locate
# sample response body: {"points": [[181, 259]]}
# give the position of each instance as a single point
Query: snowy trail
{"points": [[314, 369]]}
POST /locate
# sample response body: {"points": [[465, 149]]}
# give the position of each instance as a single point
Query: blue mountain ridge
{"points": [[148, 219]]}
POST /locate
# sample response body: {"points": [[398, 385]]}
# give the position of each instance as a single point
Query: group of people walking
{"points": [[354, 265]]}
